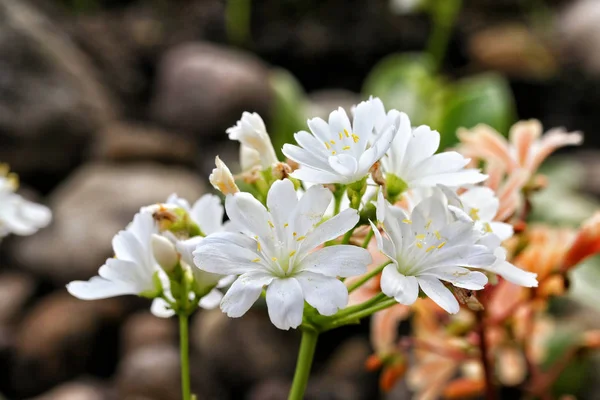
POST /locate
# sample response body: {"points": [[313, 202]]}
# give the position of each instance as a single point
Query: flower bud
{"points": [[249, 158], [395, 186], [250, 131], [586, 244], [222, 179], [164, 253]]}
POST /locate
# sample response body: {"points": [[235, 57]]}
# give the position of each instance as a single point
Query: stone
{"points": [[578, 35], [144, 329], [76, 391], [244, 351], [203, 88], [58, 339], [50, 100], [89, 208], [16, 289], [128, 141]]}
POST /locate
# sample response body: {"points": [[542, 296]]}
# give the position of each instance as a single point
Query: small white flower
{"points": [[18, 215], [338, 152], [249, 158], [222, 179], [207, 211], [428, 247], [132, 269], [412, 159], [276, 250], [251, 132]]}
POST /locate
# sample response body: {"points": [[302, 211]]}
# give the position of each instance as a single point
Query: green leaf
{"points": [[483, 99], [572, 378], [407, 83], [289, 109]]}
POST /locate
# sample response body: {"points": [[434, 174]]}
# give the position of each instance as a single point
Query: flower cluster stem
{"points": [[185, 357], [306, 354], [368, 239], [365, 278], [490, 392]]}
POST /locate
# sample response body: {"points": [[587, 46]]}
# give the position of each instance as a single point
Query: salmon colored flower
{"points": [[586, 244]]}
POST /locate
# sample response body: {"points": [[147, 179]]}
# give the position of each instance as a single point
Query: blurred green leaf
{"points": [[483, 99], [573, 377], [288, 115], [407, 83]]}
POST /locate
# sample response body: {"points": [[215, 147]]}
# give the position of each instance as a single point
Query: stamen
{"points": [[474, 213], [420, 236], [274, 258], [441, 245], [487, 227], [271, 224], [295, 233], [327, 145], [437, 235], [420, 245], [346, 133], [346, 148], [428, 224], [256, 260], [292, 253], [355, 138], [332, 142], [341, 137], [429, 249], [333, 153], [407, 221], [286, 225], [301, 238]]}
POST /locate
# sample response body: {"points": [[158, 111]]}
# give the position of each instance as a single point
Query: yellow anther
{"points": [[301, 238], [286, 225], [474, 213], [256, 260], [437, 235], [355, 138], [407, 221], [487, 227], [295, 233], [327, 145], [333, 153], [13, 180], [428, 224], [346, 148], [274, 258], [345, 133], [441, 245], [332, 141], [271, 224], [429, 249], [420, 236], [341, 136], [420, 245], [4, 169], [292, 253]]}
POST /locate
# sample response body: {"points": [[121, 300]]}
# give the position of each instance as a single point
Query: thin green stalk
{"points": [[237, 20], [359, 307], [368, 239], [347, 236], [185, 357], [367, 277], [444, 13], [304, 363], [363, 313]]}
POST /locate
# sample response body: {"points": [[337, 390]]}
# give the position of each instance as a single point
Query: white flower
{"points": [[276, 250], [251, 132], [18, 215], [249, 158], [222, 179], [338, 152], [412, 159], [132, 269], [207, 211], [428, 247]]}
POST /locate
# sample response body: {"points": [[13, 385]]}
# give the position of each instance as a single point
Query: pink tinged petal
{"points": [[459, 277], [285, 303], [344, 165], [523, 135], [402, 288], [99, 288], [243, 293], [330, 229], [281, 200], [552, 141], [207, 212], [313, 175], [306, 157], [339, 260], [161, 309], [324, 293], [437, 292], [310, 209], [211, 300]]}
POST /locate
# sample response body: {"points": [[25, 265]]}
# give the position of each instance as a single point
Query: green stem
{"points": [[444, 13], [368, 239], [347, 236], [185, 357], [304, 363], [237, 20], [357, 308], [367, 277], [362, 314], [338, 194]]}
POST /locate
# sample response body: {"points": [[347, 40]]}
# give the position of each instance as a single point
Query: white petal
{"points": [[343, 164], [363, 123], [211, 300], [225, 258], [129, 273], [385, 245], [510, 272], [502, 230], [243, 293], [437, 292], [402, 288], [320, 128], [310, 209], [306, 157], [459, 277], [245, 211], [455, 179], [330, 229], [207, 212], [285, 303], [99, 288], [160, 308], [36, 214], [311, 144], [397, 151], [281, 200], [424, 144], [339, 260], [324, 293], [312, 175]]}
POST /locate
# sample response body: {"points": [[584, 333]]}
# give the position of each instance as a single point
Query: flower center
{"points": [[346, 140]]}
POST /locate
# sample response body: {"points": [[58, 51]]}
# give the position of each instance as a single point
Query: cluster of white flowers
{"points": [[436, 227], [18, 215]]}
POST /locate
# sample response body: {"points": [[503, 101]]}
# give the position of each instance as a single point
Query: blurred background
{"points": [[108, 105]]}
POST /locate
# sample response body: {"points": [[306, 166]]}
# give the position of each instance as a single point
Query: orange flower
{"points": [[586, 244]]}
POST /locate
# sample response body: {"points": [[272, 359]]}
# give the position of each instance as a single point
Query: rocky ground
{"points": [[118, 104]]}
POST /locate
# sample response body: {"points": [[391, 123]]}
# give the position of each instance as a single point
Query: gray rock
{"points": [[15, 290], [76, 391], [50, 100], [89, 208], [203, 88], [578, 33], [144, 329]]}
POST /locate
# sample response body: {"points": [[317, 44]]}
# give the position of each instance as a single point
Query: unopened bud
{"points": [[249, 158], [164, 253], [250, 131], [222, 179]]}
